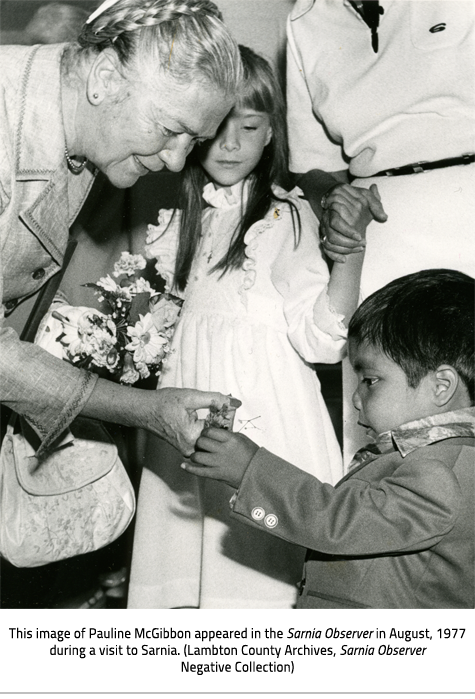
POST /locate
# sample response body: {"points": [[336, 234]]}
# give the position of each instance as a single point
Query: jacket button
{"points": [[38, 273], [271, 521]]}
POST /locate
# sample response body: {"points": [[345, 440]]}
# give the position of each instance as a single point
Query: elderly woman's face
{"points": [[154, 127]]}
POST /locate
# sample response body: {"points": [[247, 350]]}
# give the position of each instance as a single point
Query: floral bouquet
{"points": [[133, 339]]}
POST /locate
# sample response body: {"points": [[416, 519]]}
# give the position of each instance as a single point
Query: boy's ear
{"points": [[105, 77], [446, 381]]}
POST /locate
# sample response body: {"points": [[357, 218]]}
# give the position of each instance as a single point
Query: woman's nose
{"points": [[175, 152]]}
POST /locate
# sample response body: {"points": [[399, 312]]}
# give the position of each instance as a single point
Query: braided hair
{"points": [[185, 37]]}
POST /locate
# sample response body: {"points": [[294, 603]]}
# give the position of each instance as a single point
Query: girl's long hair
{"points": [[261, 92]]}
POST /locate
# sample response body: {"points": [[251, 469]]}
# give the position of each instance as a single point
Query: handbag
{"points": [[76, 499]]}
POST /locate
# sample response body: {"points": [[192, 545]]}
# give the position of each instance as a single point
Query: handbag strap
{"points": [[43, 302], [46, 296]]}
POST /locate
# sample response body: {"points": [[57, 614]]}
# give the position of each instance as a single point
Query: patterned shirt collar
{"points": [[419, 433]]}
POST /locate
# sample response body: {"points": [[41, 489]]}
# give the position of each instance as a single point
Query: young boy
{"points": [[398, 529]]}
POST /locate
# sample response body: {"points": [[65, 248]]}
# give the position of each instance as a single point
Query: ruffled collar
{"points": [[225, 197], [229, 197]]}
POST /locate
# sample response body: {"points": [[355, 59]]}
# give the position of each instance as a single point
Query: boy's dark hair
{"points": [[421, 321]]}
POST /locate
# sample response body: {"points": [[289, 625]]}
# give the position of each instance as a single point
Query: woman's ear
{"points": [[105, 77], [446, 381]]}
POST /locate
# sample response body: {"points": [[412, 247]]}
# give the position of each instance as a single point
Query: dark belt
{"points": [[414, 168]]}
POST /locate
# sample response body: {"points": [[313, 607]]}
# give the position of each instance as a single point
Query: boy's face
{"points": [[383, 397]]}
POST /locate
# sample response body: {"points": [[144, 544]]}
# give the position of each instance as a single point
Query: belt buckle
{"points": [[418, 167]]}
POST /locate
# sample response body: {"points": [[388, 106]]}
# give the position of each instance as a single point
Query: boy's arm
{"points": [[409, 511]]}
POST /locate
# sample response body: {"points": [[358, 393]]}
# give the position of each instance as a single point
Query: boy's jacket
{"points": [[396, 531]]}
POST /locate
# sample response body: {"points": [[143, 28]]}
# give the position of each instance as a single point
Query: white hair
{"points": [[185, 38]]}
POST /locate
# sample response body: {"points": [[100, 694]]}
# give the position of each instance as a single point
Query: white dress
{"points": [[244, 334]]}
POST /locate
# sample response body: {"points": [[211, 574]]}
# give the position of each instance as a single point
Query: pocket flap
{"points": [[78, 460]]}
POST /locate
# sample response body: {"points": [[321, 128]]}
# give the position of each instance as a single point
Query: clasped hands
{"points": [[347, 210], [221, 455]]}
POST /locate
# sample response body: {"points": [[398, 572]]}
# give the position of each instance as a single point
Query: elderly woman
{"points": [[148, 79]]}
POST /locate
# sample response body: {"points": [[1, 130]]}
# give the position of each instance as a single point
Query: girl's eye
{"points": [[250, 128], [369, 380]]}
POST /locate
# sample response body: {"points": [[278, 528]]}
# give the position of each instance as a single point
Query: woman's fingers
{"points": [[375, 204], [349, 217], [338, 233], [359, 197], [205, 399]]}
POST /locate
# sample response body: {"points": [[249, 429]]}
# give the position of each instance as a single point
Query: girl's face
{"points": [[237, 148]]}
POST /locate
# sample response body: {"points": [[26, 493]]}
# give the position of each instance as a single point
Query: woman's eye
{"points": [[250, 128], [370, 380], [168, 132]]}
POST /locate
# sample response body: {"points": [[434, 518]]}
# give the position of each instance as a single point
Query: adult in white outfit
{"points": [[382, 93]]}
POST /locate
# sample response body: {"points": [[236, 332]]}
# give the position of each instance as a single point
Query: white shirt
{"points": [[411, 101]]}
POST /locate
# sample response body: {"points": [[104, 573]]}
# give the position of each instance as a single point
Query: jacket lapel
{"points": [[40, 161]]}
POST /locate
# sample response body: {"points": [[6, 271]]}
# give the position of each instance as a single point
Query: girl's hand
{"points": [[347, 210], [221, 455]]}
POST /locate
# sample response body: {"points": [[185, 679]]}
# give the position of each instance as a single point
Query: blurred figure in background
{"points": [[52, 23]]}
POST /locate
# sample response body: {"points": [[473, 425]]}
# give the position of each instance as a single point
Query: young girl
{"points": [[259, 307]]}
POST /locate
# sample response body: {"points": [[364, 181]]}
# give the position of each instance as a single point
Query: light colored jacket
{"points": [[39, 199]]}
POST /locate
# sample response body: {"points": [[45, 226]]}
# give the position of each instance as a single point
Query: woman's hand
{"points": [[347, 210], [173, 414], [169, 413], [221, 455]]}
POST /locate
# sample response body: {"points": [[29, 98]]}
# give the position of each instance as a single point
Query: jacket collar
{"points": [[301, 8], [39, 150], [416, 434], [429, 430], [40, 134]]}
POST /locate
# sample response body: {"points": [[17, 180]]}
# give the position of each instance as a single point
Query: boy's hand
{"points": [[346, 214], [221, 455]]}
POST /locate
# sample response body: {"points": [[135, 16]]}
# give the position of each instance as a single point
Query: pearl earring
{"points": [[96, 96]]}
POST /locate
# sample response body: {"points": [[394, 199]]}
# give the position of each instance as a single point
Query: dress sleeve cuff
{"points": [[73, 407], [327, 319]]}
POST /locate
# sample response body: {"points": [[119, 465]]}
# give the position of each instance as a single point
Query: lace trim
{"points": [[251, 239], [339, 317]]}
